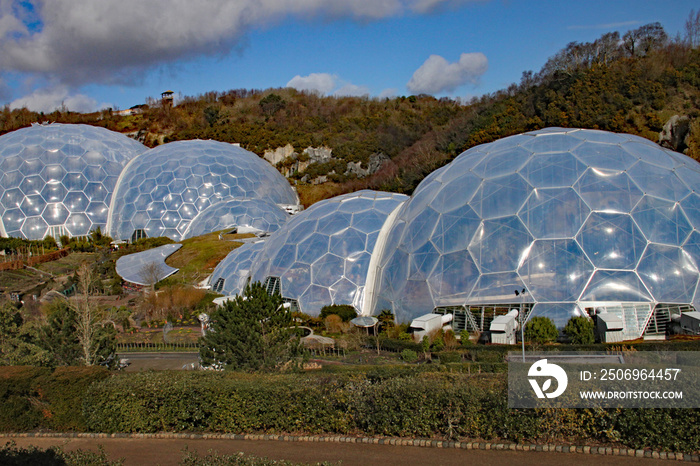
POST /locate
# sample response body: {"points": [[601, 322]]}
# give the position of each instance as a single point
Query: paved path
{"points": [[159, 361], [165, 452]]}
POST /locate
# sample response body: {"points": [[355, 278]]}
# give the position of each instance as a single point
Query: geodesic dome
{"points": [[582, 221], [161, 191], [321, 256], [231, 274], [253, 214], [58, 179]]}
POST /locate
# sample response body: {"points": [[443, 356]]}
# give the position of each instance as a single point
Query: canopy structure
{"points": [[148, 267]]}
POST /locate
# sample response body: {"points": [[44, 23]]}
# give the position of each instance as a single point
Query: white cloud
{"points": [[78, 41], [322, 83], [428, 6], [49, 99], [437, 75], [352, 90]]}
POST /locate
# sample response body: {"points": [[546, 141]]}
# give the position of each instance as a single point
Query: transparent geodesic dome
{"points": [[58, 179], [580, 220], [165, 188], [243, 214], [321, 256], [231, 274]]}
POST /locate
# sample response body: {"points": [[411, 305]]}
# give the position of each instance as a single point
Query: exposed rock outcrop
{"points": [[279, 154], [675, 133], [289, 162]]}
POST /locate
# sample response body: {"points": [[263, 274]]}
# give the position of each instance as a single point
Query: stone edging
{"points": [[580, 449]]}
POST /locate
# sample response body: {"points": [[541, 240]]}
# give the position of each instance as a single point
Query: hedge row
{"points": [[38, 397], [446, 404]]}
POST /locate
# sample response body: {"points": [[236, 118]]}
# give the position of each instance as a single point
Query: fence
{"points": [[34, 260], [156, 347]]}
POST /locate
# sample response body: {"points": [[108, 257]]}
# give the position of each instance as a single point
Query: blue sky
{"points": [[89, 55]]}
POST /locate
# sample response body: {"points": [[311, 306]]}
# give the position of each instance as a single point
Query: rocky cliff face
{"points": [[289, 162], [675, 133]]}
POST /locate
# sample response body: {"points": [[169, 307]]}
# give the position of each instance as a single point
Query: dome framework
{"points": [[582, 221], [58, 179], [163, 190]]}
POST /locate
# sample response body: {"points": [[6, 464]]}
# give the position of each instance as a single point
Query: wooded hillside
{"points": [[633, 83]]}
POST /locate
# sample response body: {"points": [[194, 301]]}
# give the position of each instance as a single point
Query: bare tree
{"points": [[88, 318], [692, 29], [150, 275], [641, 41]]}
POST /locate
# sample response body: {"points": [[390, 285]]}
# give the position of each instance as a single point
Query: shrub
{"points": [[464, 338], [580, 330], [409, 355], [540, 330], [447, 357]]}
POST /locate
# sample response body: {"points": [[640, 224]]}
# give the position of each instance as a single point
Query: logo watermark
{"points": [[635, 379], [552, 372]]}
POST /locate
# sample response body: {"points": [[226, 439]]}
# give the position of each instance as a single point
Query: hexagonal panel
{"points": [[500, 197], [453, 277], [554, 213], [555, 270], [669, 273], [608, 191], [662, 221], [612, 241], [553, 170], [499, 245], [454, 230], [53, 192], [503, 162], [658, 182], [604, 156], [34, 227], [615, 285], [55, 214]]}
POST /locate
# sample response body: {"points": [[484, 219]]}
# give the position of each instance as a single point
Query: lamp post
{"points": [[522, 318]]}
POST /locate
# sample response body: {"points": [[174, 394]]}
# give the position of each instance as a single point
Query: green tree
{"points": [[61, 338], [386, 320], [540, 330], [253, 332], [580, 330], [18, 340]]}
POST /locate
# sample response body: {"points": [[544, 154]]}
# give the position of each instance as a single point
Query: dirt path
{"points": [[170, 451]]}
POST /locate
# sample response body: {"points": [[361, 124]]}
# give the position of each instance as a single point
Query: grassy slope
{"points": [[199, 256]]}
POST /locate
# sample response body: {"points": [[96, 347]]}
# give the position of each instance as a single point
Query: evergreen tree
{"points": [[580, 330], [60, 336], [253, 332], [540, 330], [18, 340]]}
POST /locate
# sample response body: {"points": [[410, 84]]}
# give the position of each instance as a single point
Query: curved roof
{"points": [[165, 188], [231, 275], [574, 217], [250, 214], [147, 267], [322, 255], [58, 179]]}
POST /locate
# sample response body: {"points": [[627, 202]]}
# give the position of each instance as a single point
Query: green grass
{"points": [[18, 280], [66, 265], [198, 256]]}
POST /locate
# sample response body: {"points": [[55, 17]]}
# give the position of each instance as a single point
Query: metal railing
{"points": [[156, 347]]}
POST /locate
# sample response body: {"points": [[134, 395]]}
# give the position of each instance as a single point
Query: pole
{"points": [[522, 318]]}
